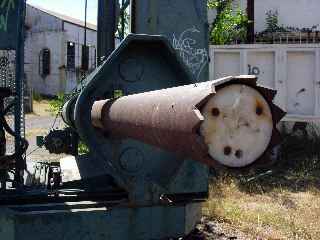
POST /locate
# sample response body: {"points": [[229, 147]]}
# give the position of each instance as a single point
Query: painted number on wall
{"points": [[253, 70]]}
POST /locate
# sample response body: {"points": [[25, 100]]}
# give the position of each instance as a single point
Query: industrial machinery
{"points": [[153, 124]]}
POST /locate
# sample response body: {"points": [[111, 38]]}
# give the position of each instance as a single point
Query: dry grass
{"points": [[42, 108], [284, 204], [278, 214]]}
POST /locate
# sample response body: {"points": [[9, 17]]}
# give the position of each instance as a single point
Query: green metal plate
{"points": [[9, 19]]}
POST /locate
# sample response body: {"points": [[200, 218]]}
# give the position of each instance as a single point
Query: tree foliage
{"points": [[230, 25]]}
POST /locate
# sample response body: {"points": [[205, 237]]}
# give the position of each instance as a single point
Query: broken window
{"points": [[44, 62], [71, 52]]}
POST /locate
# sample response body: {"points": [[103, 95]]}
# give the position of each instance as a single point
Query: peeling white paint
{"points": [[237, 118]]}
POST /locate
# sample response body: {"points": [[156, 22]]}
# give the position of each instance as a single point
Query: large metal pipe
{"points": [[228, 121]]}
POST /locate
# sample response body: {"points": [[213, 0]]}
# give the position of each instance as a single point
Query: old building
{"points": [[53, 51]]}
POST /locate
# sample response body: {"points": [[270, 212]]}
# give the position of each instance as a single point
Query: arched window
{"points": [[44, 62]]}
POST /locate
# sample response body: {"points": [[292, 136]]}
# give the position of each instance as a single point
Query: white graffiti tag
{"points": [[195, 58]]}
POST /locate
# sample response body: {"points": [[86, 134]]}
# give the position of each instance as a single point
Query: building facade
{"points": [[53, 51]]}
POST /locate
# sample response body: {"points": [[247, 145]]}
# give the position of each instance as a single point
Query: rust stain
{"points": [[259, 108], [227, 150], [215, 112], [239, 154]]}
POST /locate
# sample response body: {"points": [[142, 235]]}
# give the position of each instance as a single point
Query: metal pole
{"points": [[85, 23], [250, 13], [123, 15], [84, 56], [106, 28], [20, 161]]}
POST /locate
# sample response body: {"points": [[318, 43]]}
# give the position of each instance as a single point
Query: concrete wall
{"points": [[51, 84], [44, 31], [293, 13], [290, 69]]}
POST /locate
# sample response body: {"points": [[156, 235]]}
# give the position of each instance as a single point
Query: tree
{"points": [[230, 25]]}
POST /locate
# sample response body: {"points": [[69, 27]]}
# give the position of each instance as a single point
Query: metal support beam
{"points": [[106, 28], [250, 13], [20, 161]]}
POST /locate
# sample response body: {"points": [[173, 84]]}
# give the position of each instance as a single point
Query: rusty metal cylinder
{"points": [[169, 119], [232, 125]]}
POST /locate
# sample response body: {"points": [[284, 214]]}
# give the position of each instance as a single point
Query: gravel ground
{"points": [[214, 230], [40, 123], [39, 126]]}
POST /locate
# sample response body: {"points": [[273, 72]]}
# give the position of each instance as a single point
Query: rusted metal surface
{"points": [[171, 119]]}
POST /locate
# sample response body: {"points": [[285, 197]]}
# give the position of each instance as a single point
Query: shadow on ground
{"points": [[297, 168]]}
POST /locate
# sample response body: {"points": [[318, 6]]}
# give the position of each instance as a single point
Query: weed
{"points": [[57, 104]]}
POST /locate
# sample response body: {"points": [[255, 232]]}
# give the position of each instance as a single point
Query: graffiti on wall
{"points": [[186, 45]]}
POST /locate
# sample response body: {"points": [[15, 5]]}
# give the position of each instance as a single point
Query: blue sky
{"points": [[72, 8]]}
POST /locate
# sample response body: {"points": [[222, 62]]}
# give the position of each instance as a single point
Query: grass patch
{"points": [[278, 214], [56, 104]]}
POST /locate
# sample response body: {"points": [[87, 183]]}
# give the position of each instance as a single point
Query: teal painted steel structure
{"points": [[12, 16], [96, 222], [20, 165], [184, 23], [10, 12]]}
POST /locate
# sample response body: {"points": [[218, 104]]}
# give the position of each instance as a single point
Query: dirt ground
{"points": [[39, 123]]}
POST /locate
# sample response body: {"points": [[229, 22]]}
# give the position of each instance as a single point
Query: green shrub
{"points": [[57, 103], [83, 148], [230, 25]]}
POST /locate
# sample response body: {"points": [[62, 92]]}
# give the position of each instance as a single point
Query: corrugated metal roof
{"points": [[65, 18]]}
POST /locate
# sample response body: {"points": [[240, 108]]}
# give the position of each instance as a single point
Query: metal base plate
{"points": [[97, 221]]}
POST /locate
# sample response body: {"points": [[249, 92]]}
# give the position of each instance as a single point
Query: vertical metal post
{"points": [[250, 13], [20, 161], [85, 50], [132, 24], [85, 23], [123, 15], [106, 28]]}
